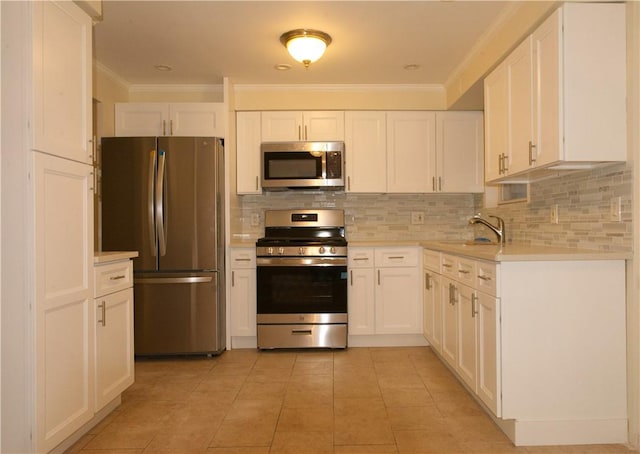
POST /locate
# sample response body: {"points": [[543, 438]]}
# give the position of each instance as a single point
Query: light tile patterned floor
{"points": [[356, 401]]}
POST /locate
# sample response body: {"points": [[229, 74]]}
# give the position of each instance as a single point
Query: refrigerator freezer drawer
{"points": [[178, 315]]}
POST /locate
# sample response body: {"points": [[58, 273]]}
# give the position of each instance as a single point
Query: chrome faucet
{"points": [[499, 230]]}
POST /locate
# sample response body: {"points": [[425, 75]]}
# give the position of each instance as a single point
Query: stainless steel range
{"points": [[302, 280]]}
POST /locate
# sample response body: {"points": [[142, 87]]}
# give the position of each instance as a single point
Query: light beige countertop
{"points": [[112, 256], [383, 243], [521, 252]]}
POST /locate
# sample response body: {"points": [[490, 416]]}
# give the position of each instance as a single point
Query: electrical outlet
{"points": [[553, 214], [255, 219], [417, 217], [616, 209]]}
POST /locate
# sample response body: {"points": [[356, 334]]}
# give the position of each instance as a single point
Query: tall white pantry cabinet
{"points": [[47, 159]]}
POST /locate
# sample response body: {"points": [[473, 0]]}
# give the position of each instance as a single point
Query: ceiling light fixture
{"points": [[304, 45]]}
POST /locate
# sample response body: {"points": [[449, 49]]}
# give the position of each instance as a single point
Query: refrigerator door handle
{"points": [[160, 225], [173, 280], [151, 217]]}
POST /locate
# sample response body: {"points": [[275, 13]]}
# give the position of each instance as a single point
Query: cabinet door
{"points": [[449, 323], [488, 351], [281, 126], [398, 301], [459, 152], [248, 153], [547, 58], [323, 125], [366, 145], [411, 159], [496, 121], [519, 76], [360, 297], [114, 345], [243, 302], [62, 81], [466, 361], [201, 119], [433, 310], [141, 119], [64, 311]]}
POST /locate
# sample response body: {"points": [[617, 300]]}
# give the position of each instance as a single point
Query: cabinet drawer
{"points": [[112, 277], [466, 271], [431, 260], [360, 257], [395, 257], [486, 277], [448, 265], [243, 258]]}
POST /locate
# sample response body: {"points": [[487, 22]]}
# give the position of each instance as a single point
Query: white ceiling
{"points": [[205, 41]]}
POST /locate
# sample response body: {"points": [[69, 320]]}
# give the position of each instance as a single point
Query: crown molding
{"points": [[433, 88], [111, 75], [173, 88]]}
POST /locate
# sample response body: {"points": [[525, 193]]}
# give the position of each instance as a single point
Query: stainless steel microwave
{"points": [[302, 165]]}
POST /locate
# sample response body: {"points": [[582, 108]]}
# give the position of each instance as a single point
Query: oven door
{"points": [[301, 285]]}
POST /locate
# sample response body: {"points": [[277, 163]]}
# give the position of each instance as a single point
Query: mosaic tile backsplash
{"points": [[583, 201]]}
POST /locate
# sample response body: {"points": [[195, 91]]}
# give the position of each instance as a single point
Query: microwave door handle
{"points": [[324, 166]]}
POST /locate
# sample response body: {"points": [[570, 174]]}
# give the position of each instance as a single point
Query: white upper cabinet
{"points": [[563, 94], [459, 152], [248, 153], [366, 151], [207, 119], [284, 126], [62, 63], [411, 158]]}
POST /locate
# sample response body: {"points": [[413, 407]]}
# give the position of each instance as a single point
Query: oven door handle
{"points": [[301, 261]]}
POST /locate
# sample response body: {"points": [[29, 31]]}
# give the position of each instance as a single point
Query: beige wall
{"points": [[339, 97], [108, 89]]}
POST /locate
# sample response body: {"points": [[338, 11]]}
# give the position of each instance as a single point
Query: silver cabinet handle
{"points": [[360, 258], [505, 161], [170, 127], [474, 312], [395, 257], [427, 281], [500, 159], [103, 307], [299, 132], [118, 277], [433, 183], [164, 127], [531, 148], [484, 278], [439, 184], [464, 271], [378, 277], [348, 183], [305, 132], [257, 180], [233, 279], [242, 260], [351, 277], [446, 265]]}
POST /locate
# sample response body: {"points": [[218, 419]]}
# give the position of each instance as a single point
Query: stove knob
{"points": [[281, 250], [321, 250], [269, 251], [332, 250], [301, 251]]}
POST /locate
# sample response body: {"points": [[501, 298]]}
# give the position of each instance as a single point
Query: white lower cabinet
{"points": [[243, 297], [385, 291], [114, 364], [432, 299], [540, 343]]}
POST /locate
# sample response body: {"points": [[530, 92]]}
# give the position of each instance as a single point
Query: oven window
{"points": [[292, 165], [301, 289]]}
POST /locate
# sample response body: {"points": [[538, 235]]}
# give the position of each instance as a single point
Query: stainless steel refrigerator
{"points": [[163, 197]]}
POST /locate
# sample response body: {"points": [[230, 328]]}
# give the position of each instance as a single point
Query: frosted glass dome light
{"points": [[305, 46]]}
